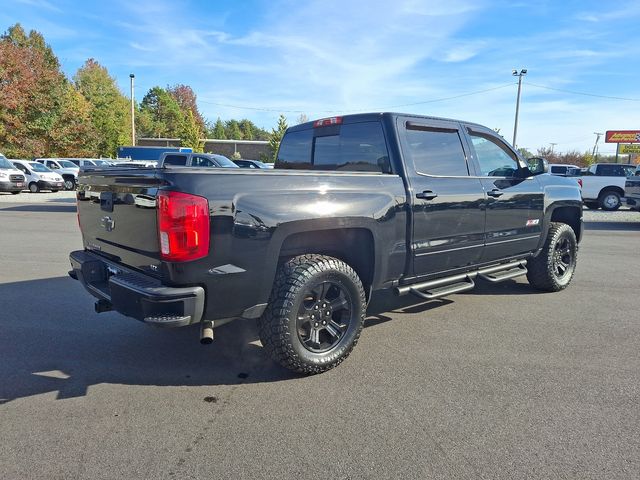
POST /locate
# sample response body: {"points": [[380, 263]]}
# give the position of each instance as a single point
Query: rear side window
{"points": [[436, 152], [352, 147], [176, 160], [559, 170]]}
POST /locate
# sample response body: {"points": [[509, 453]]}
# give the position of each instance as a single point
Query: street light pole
{"points": [[595, 146], [133, 114], [520, 74], [552, 145]]}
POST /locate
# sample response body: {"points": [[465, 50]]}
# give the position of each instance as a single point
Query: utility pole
{"points": [[133, 113], [552, 145], [520, 74], [595, 146]]}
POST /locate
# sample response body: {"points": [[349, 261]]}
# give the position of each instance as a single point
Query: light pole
{"points": [[595, 146], [520, 74], [133, 114], [552, 145]]}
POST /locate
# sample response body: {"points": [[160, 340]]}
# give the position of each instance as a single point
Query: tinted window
{"points": [[358, 147], [494, 159], [177, 160], [295, 150], [558, 169], [202, 162], [350, 147], [614, 170], [436, 152]]}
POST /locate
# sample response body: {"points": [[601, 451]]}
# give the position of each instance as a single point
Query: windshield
{"points": [[101, 162], [225, 162], [67, 164], [38, 167], [5, 164]]}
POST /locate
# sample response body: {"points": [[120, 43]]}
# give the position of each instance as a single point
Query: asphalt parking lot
{"points": [[500, 382]]}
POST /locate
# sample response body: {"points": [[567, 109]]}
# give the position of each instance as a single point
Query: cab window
{"points": [[495, 160]]}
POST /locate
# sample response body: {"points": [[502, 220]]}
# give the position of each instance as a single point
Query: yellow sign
{"points": [[626, 149]]}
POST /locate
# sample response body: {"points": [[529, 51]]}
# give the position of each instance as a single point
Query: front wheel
{"points": [[34, 188], [553, 268], [610, 200], [315, 314], [69, 184]]}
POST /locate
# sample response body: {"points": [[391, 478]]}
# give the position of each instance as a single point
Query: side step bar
{"points": [[443, 287]]}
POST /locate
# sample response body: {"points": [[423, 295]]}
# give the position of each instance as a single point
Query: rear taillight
{"points": [[183, 226], [580, 182]]}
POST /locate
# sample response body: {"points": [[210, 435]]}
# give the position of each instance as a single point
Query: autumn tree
{"points": [[110, 114], [186, 98], [37, 102]]}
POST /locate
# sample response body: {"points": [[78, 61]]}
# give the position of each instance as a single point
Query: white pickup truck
{"points": [[603, 185]]}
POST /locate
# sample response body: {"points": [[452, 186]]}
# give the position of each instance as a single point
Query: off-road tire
{"points": [[603, 200], [279, 325], [592, 205], [543, 269]]}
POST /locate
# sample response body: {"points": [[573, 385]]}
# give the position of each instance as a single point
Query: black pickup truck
{"points": [[355, 204]]}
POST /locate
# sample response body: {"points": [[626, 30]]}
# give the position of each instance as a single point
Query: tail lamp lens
{"points": [[183, 226]]}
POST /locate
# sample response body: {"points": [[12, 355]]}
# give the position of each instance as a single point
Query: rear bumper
{"points": [[134, 294]]}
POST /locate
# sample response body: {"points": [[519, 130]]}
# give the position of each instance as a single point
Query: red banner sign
{"points": [[622, 136]]}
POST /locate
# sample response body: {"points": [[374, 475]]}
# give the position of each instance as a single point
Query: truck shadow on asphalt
{"points": [[618, 226], [52, 341]]}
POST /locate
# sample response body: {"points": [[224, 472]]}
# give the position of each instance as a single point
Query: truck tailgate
{"points": [[117, 216]]}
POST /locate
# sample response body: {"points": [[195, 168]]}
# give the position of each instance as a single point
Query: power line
{"points": [[288, 110], [573, 92]]}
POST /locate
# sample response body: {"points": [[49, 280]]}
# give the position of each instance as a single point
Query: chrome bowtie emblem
{"points": [[107, 223]]}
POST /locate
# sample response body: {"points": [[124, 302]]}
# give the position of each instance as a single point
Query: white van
{"points": [[39, 177], [11, 179]]}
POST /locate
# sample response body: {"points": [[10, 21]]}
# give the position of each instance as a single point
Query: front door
{"points": [[514, 199], [448, 203]]}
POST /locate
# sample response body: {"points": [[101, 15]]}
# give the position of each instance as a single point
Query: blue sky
{"points": [[329, 57]]}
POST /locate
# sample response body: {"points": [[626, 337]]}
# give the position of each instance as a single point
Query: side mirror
{"points": [[537, 165]]}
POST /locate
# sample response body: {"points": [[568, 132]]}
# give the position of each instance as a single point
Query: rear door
{"points": [[514, 201], [448, 200]]}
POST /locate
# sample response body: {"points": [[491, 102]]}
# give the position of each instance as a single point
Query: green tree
{"points": [[246, 128], [276, 137], [110, 114], [191, 135], [232, 130], [218, 130], [161, 113]]}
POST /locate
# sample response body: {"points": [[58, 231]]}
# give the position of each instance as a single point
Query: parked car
{"points": [[355, 204], [11, 179], [202, 160], [39, 177], [603, 185], [102, 163], [82, 162], [244, 163], [632, 190], [65, 168], [562, 169]]}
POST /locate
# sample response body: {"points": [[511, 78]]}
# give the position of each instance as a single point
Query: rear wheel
{"points": [[315, 314], [610, 200], [553, 268], [33, 187]]}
